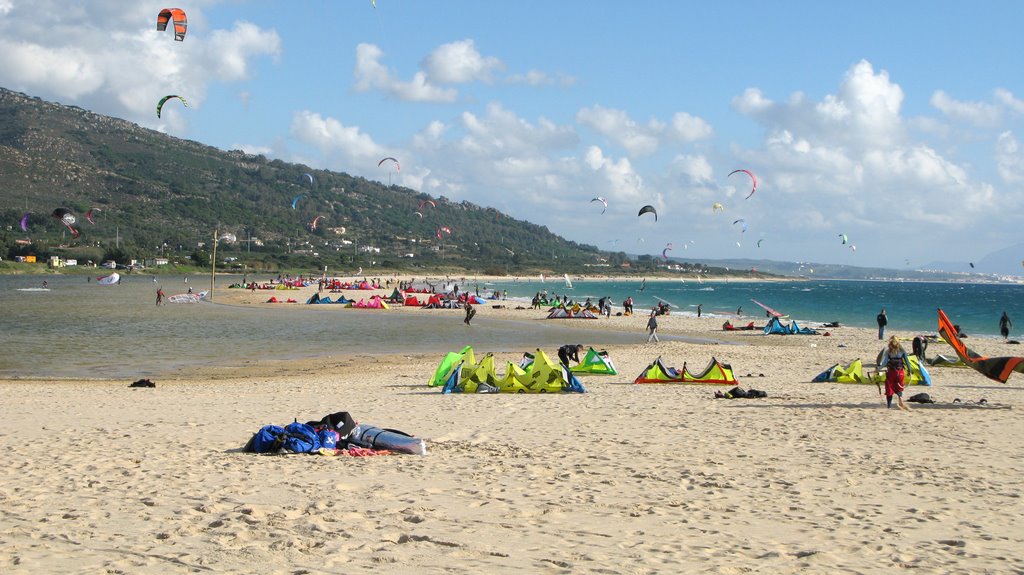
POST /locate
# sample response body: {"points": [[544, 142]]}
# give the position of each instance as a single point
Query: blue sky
{"points": [[895, 123]]}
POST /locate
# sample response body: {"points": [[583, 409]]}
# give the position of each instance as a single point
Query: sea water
{"points": [[909, 306], [80, 329]]}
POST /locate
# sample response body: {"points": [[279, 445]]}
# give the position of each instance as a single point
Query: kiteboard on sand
{"points": [[32, 289]]}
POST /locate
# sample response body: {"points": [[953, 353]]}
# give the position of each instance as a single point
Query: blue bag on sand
{"points": [[266, 440], [301, 438], [328, 438]]}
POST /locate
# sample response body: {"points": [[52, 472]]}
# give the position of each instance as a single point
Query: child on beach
{"points": [[894, 357]]}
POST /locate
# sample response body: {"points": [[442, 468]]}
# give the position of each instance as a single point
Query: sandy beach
{"points": [[815, 478]]}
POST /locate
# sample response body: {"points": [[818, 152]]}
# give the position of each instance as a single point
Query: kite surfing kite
{"points": [[648, 209], [110, 280], [175, 15], [753, 179], [844, 238], [160, 105], [316, 221], [742, 222], [67, 218], [759, 242], [88, 215], [419, 215], [24, 222], [295, 200], [997, 368], [603, 202], [717, 207], [443, 230], [308, 176], [664, 252], [398, 167], [425, 203]]}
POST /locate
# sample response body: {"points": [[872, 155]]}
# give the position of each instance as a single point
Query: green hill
{"points": [[155, 195]]}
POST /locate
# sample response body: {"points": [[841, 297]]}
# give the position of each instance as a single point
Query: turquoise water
{"points": [[83, 330], [909, 305]]}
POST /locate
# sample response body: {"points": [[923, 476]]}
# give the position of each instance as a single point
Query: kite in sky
{"points": [[753, 179], [160, 105], [648, 209], [603, 201], [175, 15]]}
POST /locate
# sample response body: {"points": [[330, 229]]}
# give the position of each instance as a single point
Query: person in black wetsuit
{"points": [[569, 351]]}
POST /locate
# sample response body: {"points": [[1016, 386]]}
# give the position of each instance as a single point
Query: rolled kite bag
{"points": [[390, 439]]}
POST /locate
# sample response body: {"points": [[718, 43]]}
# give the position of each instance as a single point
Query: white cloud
{"points": [[370, 74], [976, 113], [459, 63], [619, 128], [690, 128], [1007, 99], [342, 146], [539, 78], [1009, 158]]}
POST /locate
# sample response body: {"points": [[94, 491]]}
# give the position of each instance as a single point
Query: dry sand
{"points": [[815, 478]]}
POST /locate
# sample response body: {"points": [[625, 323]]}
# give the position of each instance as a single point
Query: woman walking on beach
{"points": [[652, 327], [894, 357]]}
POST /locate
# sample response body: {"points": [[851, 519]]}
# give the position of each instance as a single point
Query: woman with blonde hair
{"points": [[894, 358]]}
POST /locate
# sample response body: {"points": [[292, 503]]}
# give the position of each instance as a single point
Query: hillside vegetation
{"points": [[154, 195]]}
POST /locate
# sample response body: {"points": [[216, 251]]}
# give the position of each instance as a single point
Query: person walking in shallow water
{"points": [[882, 322], [1004, 325], [159, 296]]}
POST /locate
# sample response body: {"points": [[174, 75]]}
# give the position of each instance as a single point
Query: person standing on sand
{"points": [[470, 312], [1004, 325], [882, 322], [894, 357], [652, 327], [699, 307]]}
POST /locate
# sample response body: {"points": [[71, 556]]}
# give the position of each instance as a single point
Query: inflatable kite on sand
{"points": [[459, 373], [997, 368], [716, 373]]}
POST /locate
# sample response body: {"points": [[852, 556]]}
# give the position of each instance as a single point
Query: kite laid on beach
{"points": [[648, 209], [175, 15], [160, 105], [997, 368], [753, 178]]}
